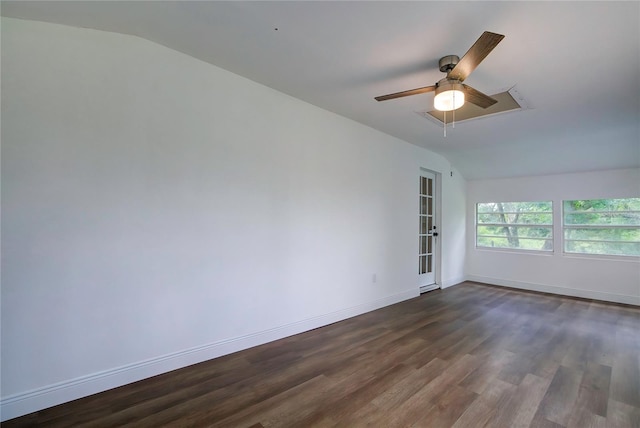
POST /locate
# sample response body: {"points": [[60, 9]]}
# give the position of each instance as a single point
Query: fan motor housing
{"points": [[447, 63]]}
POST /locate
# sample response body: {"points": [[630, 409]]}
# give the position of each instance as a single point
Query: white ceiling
{"points": [[577, 64]]}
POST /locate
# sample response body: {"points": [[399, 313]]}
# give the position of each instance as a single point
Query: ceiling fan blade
{"points": [[474, 56], [407, 93], [476, 97]]}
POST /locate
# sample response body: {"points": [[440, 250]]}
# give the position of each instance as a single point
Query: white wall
{"points": [[159, 211], [611, 279], [453, 231]]}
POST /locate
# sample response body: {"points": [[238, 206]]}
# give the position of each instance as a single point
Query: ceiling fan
{"points": [[451, 93]]}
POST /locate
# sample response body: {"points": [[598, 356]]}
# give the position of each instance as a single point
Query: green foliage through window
{"points": [[602, 226], [516, 225]]}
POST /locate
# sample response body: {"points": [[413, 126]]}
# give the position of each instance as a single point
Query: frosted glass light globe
{"points": [[448, 100]]}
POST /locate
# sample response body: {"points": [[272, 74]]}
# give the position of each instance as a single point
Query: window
{"points": [[602, 226], [515, 225]]}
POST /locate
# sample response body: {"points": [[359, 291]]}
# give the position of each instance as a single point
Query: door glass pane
{"points": [[426, 244]]}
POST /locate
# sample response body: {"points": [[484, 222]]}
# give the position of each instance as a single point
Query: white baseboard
{"points": [[453, 281], [554, 289], [51, 395]]}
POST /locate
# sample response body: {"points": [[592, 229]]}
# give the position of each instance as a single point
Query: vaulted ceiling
{"points": [[576, 66]]}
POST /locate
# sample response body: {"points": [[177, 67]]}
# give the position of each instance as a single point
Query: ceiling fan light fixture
{"points": [[449, 95]]}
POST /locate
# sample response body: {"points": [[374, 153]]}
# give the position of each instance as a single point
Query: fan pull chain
{"points": [[453, 112], [445, 123]]}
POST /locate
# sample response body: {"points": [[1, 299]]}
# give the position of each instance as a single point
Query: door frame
{"points": [[437, 241]]}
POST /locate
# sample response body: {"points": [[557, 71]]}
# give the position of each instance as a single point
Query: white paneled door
{"points": [[427, 232]]}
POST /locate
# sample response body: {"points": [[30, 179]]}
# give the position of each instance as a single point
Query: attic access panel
{"points": [[509, 100]]}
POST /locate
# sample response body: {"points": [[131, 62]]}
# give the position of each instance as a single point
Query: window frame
{"points": [[600, 226], [550, 226]]}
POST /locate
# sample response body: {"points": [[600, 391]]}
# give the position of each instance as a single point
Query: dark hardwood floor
{"points": [[468, 356]]}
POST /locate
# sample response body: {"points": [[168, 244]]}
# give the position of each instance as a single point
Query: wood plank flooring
{"points": [[468, 356]]}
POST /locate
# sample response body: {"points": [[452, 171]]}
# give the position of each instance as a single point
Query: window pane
{"points": [[423, 225], [522, 218], [603, 234], [604, 218], [603, 248], [521, 243], [622, 204], [516, 231], [492, 207]]}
